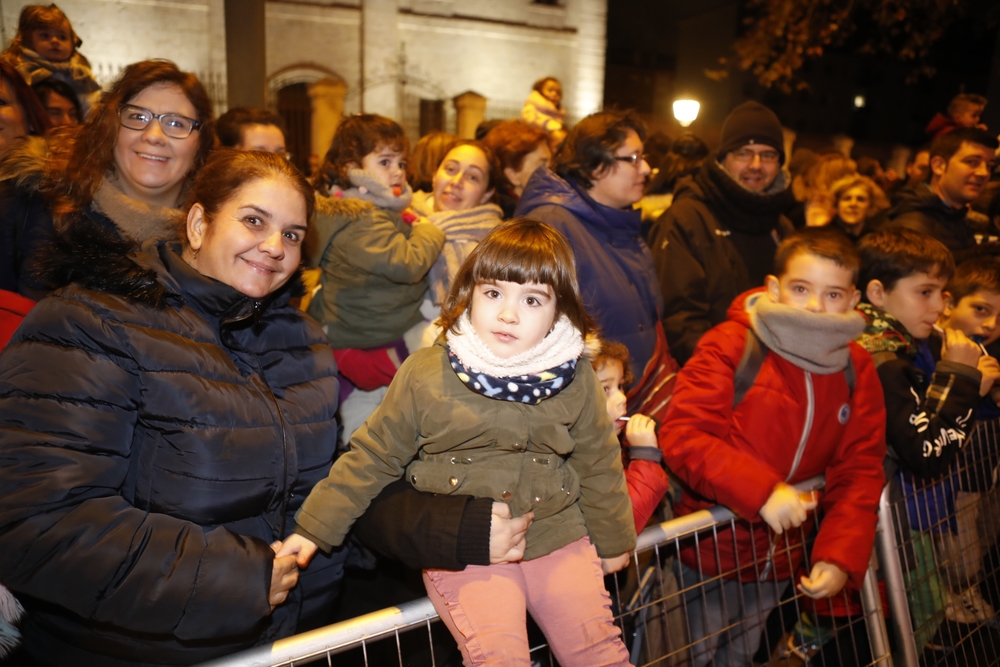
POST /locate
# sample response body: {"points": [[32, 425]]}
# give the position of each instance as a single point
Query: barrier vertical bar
{"points": [[878, 636], [892, 572]]}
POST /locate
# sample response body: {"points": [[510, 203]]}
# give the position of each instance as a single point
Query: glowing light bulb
{"points": [[686, 111]]}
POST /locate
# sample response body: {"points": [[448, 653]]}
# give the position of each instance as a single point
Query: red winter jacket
{"points": [[647, 484], [735, 457], [13, 308]]}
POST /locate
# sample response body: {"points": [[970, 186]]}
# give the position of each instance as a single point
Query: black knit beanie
{"points": [[752, 123]]}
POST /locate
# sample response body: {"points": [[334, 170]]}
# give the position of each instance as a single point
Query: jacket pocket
{"points": [[442, 477]]}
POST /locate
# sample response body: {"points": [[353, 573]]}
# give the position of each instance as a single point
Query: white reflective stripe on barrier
{"points": [[334, 638]]}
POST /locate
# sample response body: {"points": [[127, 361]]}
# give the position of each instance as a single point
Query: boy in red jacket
{"points": [[814, 407]]}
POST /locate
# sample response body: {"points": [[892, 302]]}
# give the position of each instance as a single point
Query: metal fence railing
{"points": [[653, 611], [940, 559]]}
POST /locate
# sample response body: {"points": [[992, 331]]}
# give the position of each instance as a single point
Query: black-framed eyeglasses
{"points": [[747, 155], [173, 125], [631, 159]]}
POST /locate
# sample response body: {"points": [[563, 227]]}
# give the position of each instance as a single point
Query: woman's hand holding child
{"points": [[284, 576], [786, 508], [507, 535]]}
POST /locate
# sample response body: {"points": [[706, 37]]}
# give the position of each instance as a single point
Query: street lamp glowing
{"points": [[859, 101], [686, 111]]}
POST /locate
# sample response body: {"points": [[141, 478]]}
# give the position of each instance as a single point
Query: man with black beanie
{"points": [[718, 238]]}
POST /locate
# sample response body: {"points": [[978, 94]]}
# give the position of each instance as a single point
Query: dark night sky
{"points": [[653, 36]]}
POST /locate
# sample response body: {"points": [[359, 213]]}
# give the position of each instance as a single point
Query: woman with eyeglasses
{"points": [[589, 194], [123, 173]]}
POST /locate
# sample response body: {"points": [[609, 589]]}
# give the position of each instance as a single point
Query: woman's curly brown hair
{"points": [[80, 160]]}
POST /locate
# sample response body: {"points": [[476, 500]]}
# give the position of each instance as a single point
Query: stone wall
{"points": [[386, 53]]}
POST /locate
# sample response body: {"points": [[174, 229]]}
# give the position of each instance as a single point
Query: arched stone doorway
{"points": [[295, 109], [310, 99]]}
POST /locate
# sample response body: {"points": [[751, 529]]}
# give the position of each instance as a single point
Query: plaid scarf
{"points": [[884, 333]]}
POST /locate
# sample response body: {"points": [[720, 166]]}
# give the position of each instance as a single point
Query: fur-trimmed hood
{"points": [[332, 215], [24, 164]]}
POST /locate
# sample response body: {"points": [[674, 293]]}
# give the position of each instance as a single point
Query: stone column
{"points": [[379, 57], [470, 110], [327, 99], [246, 49]]}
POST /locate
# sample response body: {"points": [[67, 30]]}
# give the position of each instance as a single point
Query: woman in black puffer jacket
{"points": [[161, 420]]}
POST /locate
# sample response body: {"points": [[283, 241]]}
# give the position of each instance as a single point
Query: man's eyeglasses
{"points": [[173, 125], [631, 159], [747, 155]]}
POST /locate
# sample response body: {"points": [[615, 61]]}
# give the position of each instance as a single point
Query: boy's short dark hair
{"points": [[948, 143], [979, 274], [822, 242], [614, 351], [965, 99], [229, 127], [590, 147], [890, 255]]}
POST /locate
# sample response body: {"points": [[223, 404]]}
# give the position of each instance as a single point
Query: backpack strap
{"points": [[753, 358], [749, 366], [851, 376]]}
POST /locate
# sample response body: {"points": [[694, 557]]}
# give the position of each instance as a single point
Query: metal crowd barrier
{"points": [[940, 559], [652, 610]]}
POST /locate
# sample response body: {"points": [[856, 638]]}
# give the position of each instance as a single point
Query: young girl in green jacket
{"points": [[502, 407]]}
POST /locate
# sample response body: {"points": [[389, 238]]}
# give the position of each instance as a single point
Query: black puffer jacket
{"points": [[158, 430], [926, 212], [716, 241]]}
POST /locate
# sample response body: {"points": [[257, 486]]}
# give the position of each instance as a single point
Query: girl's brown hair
{"points": [[521, 251], [91, 150], [39, 17], [356, 137], [228, 170]]}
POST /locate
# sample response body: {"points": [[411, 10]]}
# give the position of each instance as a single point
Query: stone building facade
{"points": [[406, 59]]}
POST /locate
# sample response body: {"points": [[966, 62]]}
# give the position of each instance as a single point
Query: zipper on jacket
{"points": [[283, 490], [806, 428]]}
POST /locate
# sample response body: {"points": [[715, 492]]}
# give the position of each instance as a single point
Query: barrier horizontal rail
{"points": [[354, 633]]}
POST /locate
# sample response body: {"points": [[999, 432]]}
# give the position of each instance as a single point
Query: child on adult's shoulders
{"points": [[813, 407]]}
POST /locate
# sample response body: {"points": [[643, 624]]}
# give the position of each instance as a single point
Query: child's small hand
{"points": [[990, 368], [960, 348], [295, 545], [641, 431], [612, 565], [507, 541], [785, 508], [825, 580]]}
